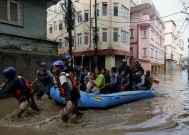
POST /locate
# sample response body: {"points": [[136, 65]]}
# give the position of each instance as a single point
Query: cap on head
{"points": [[123, 60], [136, 61]]}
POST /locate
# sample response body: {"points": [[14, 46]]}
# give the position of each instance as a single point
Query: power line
{"points": [[143, 21]]}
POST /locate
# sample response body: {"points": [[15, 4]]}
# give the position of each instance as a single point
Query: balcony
{"points": [[145, 20]]}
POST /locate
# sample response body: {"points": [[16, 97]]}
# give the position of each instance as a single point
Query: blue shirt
{"points": [[114, 79]]}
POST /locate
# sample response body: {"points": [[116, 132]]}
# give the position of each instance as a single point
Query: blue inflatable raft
{"points": [[91, 100]]}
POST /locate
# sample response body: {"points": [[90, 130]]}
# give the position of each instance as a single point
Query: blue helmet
{"points": [[66, 58], [43, 64], [9, 72], [58, 63]]}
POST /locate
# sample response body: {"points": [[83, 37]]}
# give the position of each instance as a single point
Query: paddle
{"points": [[81, 68], [156, 81]]}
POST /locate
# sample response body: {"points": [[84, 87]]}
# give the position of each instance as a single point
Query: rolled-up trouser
{"points": [[72, 109], [30, 102]]}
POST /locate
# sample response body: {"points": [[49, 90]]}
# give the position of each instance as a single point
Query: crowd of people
{"points": [[70, 81], [118, 79]]}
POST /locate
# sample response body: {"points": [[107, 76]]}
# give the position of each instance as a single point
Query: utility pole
{"points": [[165, 53], [96, 36], [70, 25]]}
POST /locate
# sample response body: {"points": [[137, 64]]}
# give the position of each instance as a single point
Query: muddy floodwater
{"points": [[167, 113]]}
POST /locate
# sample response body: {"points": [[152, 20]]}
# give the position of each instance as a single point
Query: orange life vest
{"points": [[74, 83], [23, 94]]}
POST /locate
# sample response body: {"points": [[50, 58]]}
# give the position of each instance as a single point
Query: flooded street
{"points": [[167, 113]]}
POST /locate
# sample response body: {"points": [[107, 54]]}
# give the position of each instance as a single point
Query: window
{"points": [[50, 28], [60, 44], [79, 19], [97, 9], [144, 34], [104, 9], [60, 24], [73, 41], [124, 37], [86, 16], [115, 35], [66, 43], [152, 53], [125, 12], [160, 56], [152, 35], [144, 50], [86, 38], [55, 26], [104, 35], [156, 38], [10, 11], [131, 33], [131, 49], [79, 39], [156, 54], [115, 9]]}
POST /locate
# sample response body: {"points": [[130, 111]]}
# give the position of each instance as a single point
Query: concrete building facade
{"points": [[173, 47], [147, 36], [113, 31], [23, 26]]}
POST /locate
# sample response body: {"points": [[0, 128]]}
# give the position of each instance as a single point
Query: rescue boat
{"points": [[92, 100]]}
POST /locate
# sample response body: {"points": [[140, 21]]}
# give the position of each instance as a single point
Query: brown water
{"points": [[168, 113]]}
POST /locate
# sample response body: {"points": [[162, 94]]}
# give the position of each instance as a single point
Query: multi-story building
{"points": [[173, 47], [113, 31], [147, 36], [23, 26]]}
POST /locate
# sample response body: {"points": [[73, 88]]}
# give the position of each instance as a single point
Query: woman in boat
{"points": [[106, 74], [100, 80]]}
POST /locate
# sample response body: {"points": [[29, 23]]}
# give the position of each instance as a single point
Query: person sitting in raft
{"points": [[146, 81], [114, 80], [124, 81], [90, 87], [100, 80], [20, 88]]}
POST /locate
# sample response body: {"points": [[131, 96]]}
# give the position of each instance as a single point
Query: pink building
{"points": [[147, 36]]}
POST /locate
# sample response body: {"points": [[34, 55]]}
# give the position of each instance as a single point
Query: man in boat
{"points": [[137, 67], [45, 80], [124, 67], [20, 88], [146, 81], [114, 81], [68, 88]]}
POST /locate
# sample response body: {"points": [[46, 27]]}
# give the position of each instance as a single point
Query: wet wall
{"points": [[26, 64]]}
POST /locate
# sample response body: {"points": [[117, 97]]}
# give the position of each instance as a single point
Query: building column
{"points": [[109, 62]]}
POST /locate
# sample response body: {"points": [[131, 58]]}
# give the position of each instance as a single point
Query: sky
{"points": [[167, 7]]}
